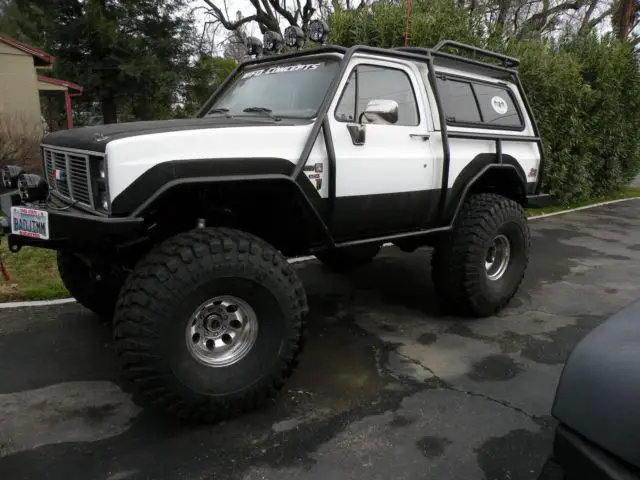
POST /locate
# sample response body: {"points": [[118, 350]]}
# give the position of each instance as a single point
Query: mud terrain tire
{"points": [[159, 313], [463, 275]]}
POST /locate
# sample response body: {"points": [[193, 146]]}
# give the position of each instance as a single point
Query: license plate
{"points": [[29, 222]]}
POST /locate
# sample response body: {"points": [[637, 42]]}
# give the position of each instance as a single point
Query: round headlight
{"points": [[254, 46], [272, 41], [293, 36], [318, 31]]}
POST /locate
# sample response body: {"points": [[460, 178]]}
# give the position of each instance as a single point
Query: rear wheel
{"points": [[210, 324], [479, 268], [348, 258], [96, 292]]}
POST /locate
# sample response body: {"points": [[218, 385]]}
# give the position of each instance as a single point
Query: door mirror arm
{"points": [[358, 133], [383, 112]]}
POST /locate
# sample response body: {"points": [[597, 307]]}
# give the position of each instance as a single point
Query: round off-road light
{"points": [[272, 41], [293, 37], [318, 31], [254, 46]]}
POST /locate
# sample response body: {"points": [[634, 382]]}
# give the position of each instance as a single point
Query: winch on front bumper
{"points": [[45, 224]]}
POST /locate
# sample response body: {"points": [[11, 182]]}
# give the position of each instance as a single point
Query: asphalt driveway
{"points": [[387, 387]]}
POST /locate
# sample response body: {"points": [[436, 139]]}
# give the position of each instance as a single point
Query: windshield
{"points": [[292, 89]]}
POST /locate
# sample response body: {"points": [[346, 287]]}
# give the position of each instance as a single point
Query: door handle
{"points": [[423, 136]]}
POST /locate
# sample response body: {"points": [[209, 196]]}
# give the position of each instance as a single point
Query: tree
{"points": [[625, 17], [206, 77], [267, 14], [128, 54]]}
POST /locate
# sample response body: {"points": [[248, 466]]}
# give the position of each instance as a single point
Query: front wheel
{"points": [[480, 267], [210, 324]]}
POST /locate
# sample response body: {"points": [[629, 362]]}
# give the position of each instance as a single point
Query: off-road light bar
{"points": [[254, 46], [318, 31], [9, 176], [272, 41], [293, 37], [32, 187]]}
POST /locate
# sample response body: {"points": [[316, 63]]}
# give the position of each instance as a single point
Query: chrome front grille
{"points": [[68, 174]]}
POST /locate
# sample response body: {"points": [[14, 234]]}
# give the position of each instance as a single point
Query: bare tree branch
{"points": [[595, 21], [539, 22], [224, 20], [586, 21], [291, 18]]}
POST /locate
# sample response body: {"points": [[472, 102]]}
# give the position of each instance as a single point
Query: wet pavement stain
{"points": [[97, 414], [556, 348], [432, 447], [427, 338], [519, 454], [495, 368], [401, 421]]}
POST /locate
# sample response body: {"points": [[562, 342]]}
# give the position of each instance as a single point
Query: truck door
{"points": [[385, 176]]}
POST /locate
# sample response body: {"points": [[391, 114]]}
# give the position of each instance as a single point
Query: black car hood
{"points": [[599, 390], [95, 139]]}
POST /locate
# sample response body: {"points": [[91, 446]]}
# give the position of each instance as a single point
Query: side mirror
{"points": [[380, 111]]}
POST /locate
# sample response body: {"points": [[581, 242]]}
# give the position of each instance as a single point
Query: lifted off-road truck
{"points": [[180, 230]]}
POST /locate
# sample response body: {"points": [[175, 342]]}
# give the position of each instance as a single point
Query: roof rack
{"points": [[507, 62]]}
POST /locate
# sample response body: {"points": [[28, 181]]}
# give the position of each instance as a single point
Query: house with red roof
{"points": [[23, 81]]}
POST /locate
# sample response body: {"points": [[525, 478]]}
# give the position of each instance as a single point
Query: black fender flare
{"points": [[166, 177], [473, 173]]}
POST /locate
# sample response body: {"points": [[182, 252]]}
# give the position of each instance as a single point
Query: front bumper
{"points": [[70, 228]]}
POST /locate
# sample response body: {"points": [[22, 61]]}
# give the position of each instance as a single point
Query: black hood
{"points": [[95, 139], [599, 390]]}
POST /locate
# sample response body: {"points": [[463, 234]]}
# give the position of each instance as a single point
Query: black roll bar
{"points": [[507, 62], [417, 54]]}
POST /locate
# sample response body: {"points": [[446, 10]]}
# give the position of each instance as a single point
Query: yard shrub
{"points": [[20, 143], [584, 90]]}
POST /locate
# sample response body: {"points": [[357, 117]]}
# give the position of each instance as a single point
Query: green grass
{"points": [[34, 275], [628, 192]]}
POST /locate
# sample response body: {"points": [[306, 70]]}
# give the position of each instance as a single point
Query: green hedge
{"points": [[585, 91]]}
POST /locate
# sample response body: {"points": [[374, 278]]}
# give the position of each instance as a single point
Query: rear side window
{"points": [[478, 104], [458, 102], [497, 106]]}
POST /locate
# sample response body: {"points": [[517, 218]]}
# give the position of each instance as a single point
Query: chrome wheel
{"points": [[222, 331], [498, 256]]}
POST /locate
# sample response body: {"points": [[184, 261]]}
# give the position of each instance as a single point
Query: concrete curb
{"points": [[62, 301], [561, 212], [36, 303]]}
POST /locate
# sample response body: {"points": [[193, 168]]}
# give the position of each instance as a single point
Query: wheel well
{"points": [[274, 210], [501, 180]]}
